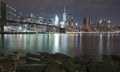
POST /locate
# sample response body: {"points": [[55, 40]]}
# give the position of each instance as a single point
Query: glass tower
{"points": [[64, 16], [56, 20]]}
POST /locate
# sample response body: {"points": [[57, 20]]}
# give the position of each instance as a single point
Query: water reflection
{"points": [[95, 44], [100, 50], [108, 44], [56, 43], [64, 43], [101, 44]]}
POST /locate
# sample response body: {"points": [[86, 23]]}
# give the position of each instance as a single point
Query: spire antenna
{"points": [[64, 9]]}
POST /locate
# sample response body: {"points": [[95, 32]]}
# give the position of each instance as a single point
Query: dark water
{"points": [[94, 44]]}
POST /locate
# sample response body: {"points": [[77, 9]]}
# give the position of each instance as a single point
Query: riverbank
{"points": [[45, 62]]}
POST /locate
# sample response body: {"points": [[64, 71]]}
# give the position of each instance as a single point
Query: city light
{"points": [[59, 36], [56, 20], [55, 24]]}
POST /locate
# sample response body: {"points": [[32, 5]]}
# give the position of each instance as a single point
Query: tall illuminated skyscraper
{"points": [[56, 20], [70, 22], [64, 16]]}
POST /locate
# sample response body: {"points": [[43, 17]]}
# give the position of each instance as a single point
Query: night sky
{"points": [[95, 9]]}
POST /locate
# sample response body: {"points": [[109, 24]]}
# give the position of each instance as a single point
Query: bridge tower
{"points": [[2, 16]]}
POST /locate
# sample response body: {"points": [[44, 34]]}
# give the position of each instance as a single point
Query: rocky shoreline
{"points": [[45, 62]]}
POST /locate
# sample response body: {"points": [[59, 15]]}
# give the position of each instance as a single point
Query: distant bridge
{"points": [[4, 21]]}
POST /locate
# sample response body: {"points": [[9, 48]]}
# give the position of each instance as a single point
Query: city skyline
{"points": [[96, 10]]}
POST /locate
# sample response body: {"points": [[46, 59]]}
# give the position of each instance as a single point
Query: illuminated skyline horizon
{"points": [[96, 10]]}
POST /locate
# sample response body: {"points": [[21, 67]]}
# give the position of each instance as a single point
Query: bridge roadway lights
{"points": [[62, 30]]}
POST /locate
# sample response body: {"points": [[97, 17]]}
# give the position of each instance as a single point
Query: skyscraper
{"points": [[64, 16], [56, 20], [86, 21], [70, 21]]}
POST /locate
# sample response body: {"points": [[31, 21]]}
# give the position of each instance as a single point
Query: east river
{"points": [[76, 44]]}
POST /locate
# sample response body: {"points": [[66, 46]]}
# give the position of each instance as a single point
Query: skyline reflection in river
{"points": [[78, 44]]}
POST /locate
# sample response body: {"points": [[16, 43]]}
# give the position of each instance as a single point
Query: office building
{"points": [[86, 21], [64, 16]]}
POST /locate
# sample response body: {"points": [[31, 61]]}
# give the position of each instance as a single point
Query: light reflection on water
{"points": [[95, 44], [56, 44]]}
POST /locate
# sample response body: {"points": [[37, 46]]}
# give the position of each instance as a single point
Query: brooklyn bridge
{"points": [[7, 10]]}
